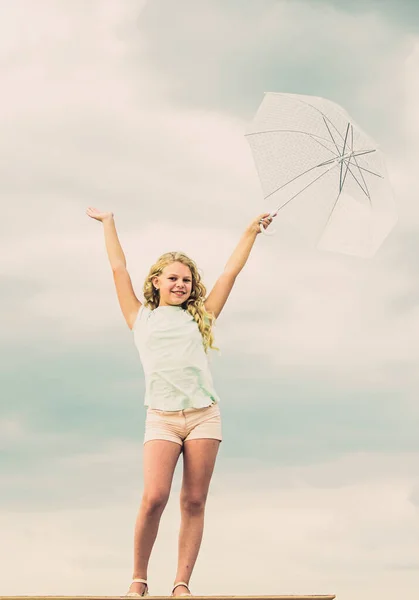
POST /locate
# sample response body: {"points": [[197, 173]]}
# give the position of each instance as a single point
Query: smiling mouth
{"points": [[179, 293]]}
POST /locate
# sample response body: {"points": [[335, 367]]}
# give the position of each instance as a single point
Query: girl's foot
{"points": [[181, 589], [137, 589]]}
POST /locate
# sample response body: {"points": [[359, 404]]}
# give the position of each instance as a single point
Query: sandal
{"points": [[185, 585], [136, 594]]}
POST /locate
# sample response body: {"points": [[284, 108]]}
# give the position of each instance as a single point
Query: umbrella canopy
{"points": [[322, 173]]}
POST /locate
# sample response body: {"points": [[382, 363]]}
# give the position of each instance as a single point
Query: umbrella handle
{"points": [[265, 231]]}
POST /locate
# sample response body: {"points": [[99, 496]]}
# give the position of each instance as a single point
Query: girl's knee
{"points": [[193, 504], [154, 502]]}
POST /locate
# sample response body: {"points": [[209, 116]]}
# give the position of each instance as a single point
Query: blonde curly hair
{"points": [[194, 304]]}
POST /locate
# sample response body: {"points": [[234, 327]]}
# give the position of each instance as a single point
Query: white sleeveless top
{"points": [[176, 369]]}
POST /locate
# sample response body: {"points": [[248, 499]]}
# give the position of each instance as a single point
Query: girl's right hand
{"points": [[94, 213]]}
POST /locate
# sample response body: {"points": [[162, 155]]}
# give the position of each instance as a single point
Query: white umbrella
{"points": [[322, 173]]}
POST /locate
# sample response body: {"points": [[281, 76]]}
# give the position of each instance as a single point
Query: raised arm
{"points": [[224, 284], [128, 301]]}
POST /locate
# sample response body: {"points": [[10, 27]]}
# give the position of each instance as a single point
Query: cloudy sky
{"points": [[141, 108]]}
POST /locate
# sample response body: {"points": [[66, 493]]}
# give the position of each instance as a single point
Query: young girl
{"points": [[173, 332]]}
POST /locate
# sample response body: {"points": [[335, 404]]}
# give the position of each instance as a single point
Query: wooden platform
{"points": [[286, 597]]}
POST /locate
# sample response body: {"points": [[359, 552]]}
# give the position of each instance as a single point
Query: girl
{"points": [[173, 332]]}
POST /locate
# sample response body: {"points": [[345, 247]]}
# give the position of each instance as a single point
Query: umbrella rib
{"points": [[342, 183], [344, 157], [346, 172], [330, 133], [363, 179], [298, 193], [312, 135], [367, 170], [312, 169], [324, 118], [321, 112], [325, 147], [294, 178], [323, 115], [332, 124], [366, 191], [355, 154], [332, 211], [359, 167], [341, 164], [311, 106], [362, 152]]}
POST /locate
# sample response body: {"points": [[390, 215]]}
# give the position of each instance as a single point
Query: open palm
{"points": [[94, 213]]}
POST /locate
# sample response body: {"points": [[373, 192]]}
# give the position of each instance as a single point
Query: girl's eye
{"points": [[187, 280]]}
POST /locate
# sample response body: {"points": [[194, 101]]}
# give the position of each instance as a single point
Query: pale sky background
{"points": [[140, 108]]}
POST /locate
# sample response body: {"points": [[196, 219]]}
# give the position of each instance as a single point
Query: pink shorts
{"points": [[182, 425]]}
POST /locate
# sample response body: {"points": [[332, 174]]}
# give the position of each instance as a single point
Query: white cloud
{"points": [[164, 171], [268, 531], [155, 165]]}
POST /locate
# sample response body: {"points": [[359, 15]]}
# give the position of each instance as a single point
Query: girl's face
{"points": [[174, 284]]}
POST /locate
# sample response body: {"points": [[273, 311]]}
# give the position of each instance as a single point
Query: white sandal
{"points": [[136, 594], [185, 585]]}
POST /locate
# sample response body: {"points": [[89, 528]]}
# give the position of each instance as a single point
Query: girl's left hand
{"points": [[264, 218]]}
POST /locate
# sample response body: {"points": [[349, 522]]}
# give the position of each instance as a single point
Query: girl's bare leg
{"points": [[198, 465], [159, 459]]}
